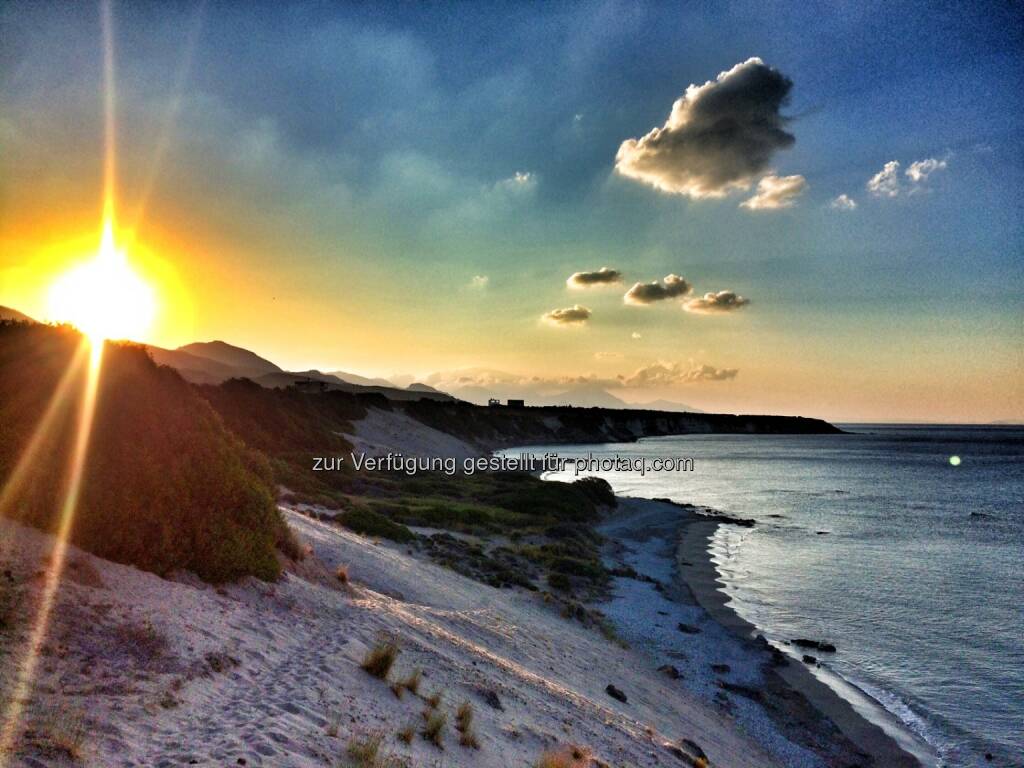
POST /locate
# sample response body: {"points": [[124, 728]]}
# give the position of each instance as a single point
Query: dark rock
{"points": [[615, 693], [491, 699], [663, 613], [721, 668], [827, 648], [670, 670], [692, 745], [808, 659], [803, 642], [688, 629]]}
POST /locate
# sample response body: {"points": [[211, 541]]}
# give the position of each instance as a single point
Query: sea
{"points": [[901, 544]]}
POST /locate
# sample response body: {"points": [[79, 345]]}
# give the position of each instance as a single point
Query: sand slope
{"points": [[269, 673]]}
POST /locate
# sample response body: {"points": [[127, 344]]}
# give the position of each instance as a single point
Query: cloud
{"points": [[635, 335], [663, 374], [843, 203], [719, 137], [886, 183], [479, 282], [775, 192], [673, 286], [574, 315], [920, 170], [520, 181], [711, 303], [603, 276]]}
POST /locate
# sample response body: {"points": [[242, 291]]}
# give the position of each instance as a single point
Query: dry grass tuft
{"points": [[412, 682], [464, 725], [60, 733], [571, 756], [342, 574], [434, 699], [381, 658], [433, 731], [406, 734], [365, 752]]}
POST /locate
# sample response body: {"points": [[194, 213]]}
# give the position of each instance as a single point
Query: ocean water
{"points": [[877, 542]]}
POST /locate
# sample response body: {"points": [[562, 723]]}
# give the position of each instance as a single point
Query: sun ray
{"points": [[22, 689]]}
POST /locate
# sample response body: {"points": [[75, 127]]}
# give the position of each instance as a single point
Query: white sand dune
{"points": [[169, 673], [381, 432]]}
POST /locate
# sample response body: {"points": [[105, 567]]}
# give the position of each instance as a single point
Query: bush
{"points": [[166, 485], [381, 658], [369, 523], [598, 490]]}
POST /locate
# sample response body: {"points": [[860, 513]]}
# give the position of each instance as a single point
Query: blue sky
{"points": [[350, 168]]}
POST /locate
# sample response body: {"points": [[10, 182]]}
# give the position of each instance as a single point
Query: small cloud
{"points": [[479, 282], [718, 138], [886, 183], [776, 192], [673, 286], [574, 315], [520, 181], [843, 203], [664, 374], [603, 276], [607, 355], [920, 170], [635, 336], [713, 303]]}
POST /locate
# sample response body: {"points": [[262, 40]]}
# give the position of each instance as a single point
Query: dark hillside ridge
{"points": [[502, 427]]}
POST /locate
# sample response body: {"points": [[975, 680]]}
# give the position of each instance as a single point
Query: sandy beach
{"points": [[142, 671], [682, 619]]}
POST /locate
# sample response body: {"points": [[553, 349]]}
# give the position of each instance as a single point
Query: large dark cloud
{"points": [[603, 276], [672, 287], [574, 315], [710, 303], [719, 136]]}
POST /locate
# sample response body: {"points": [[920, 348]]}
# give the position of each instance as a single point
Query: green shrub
{"points": [[370, 523], [165, 487]]}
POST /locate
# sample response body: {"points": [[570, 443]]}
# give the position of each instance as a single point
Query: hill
{"points": [[6, 313], [244, 362], [166, 486]]}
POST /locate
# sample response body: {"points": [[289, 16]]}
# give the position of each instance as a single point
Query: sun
{"points": [[104, 298]]}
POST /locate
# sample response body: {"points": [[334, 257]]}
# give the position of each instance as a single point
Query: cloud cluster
{"points": [[603, 276], [888, 184], [574, 315], [663, 374], [479, 282], [775, 192], [712, 303], [719, 137], [920, 170], [653, 375], [673, 286]]}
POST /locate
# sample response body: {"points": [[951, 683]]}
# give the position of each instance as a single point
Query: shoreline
{"points": [[802, 708], [703, 581]]}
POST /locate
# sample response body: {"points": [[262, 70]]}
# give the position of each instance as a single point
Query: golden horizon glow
{"points": [[105, 298]]}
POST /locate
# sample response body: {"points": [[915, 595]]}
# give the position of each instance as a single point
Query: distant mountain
{"points": [[198, 370], [6, 313], [584, 397], [355, 378], [245, 363], [420, 387], [665, 405]]}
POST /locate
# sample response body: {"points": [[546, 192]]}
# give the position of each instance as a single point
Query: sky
{"points": [[799, 208]]}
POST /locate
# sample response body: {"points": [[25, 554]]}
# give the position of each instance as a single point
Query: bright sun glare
{"points": [[104, 298]]}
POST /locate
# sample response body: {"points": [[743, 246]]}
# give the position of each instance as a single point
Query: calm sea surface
{"points": [[911, 565]]}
